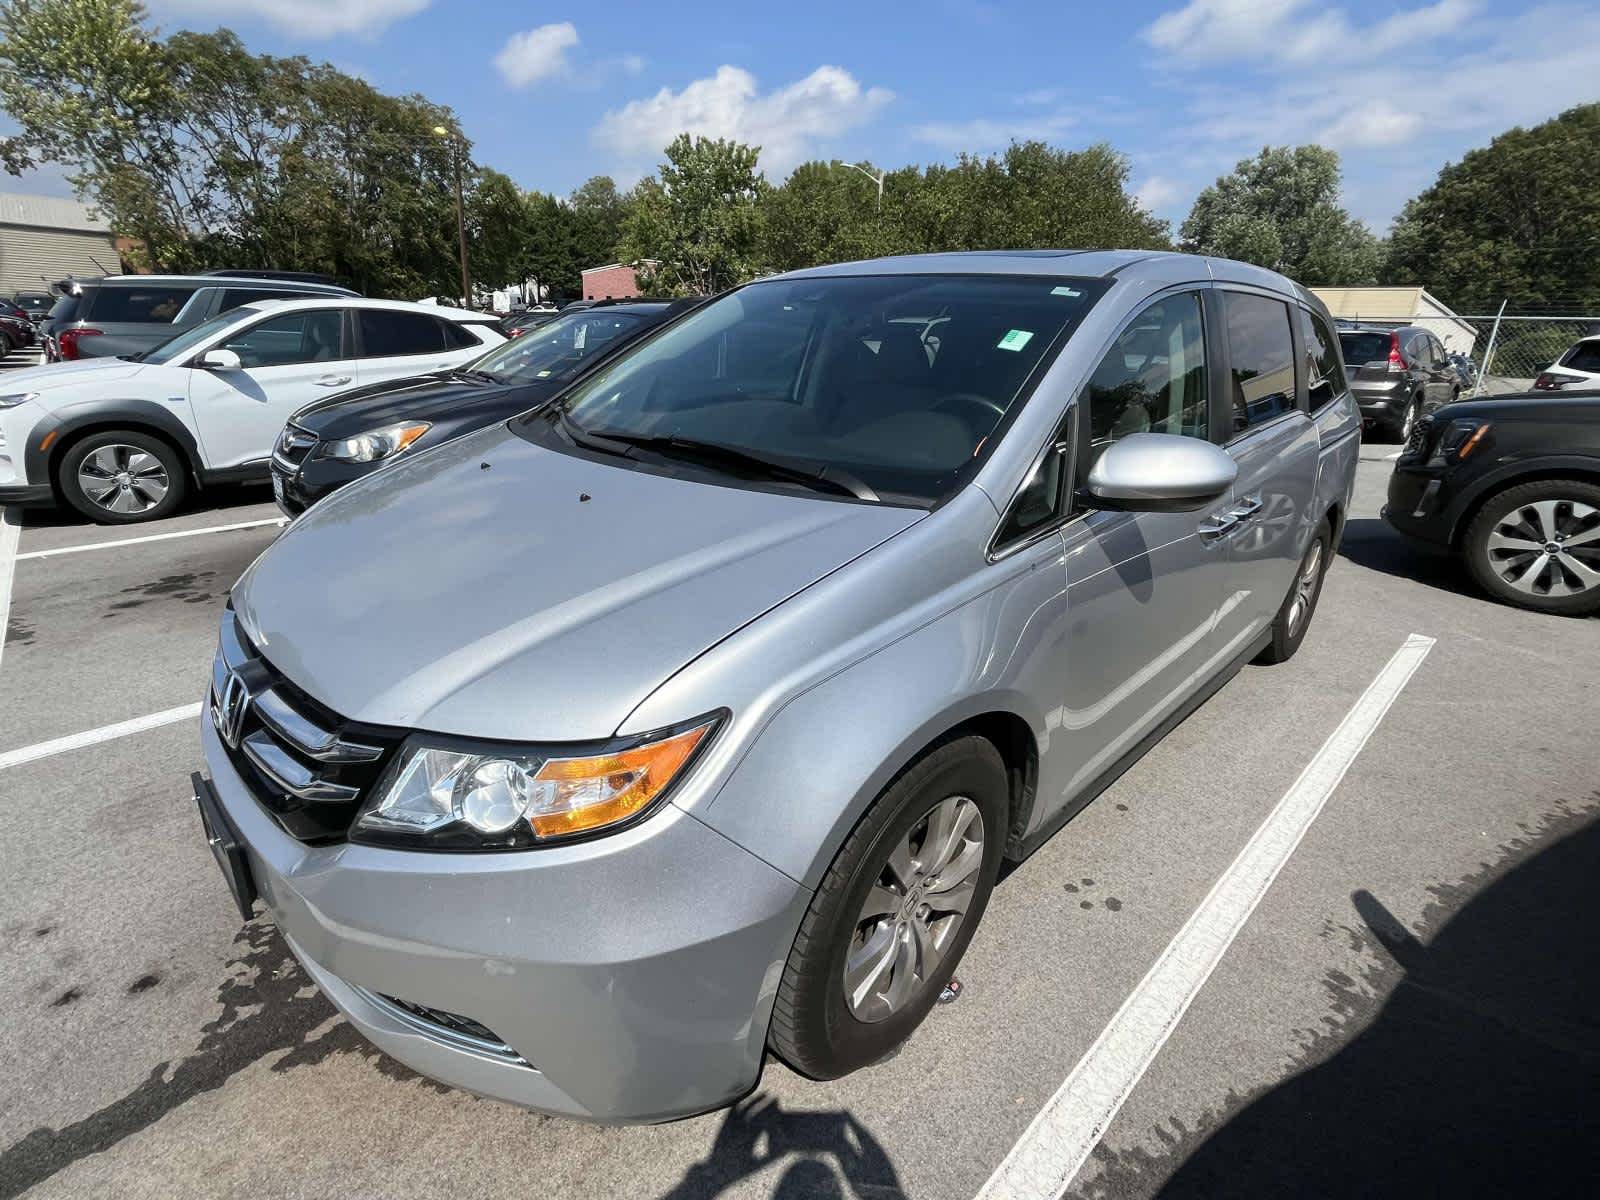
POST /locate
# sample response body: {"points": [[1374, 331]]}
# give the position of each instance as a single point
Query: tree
{"points": [[700, 220], [598, 216], [1281, 210], [828, 213], [1518, 220]]}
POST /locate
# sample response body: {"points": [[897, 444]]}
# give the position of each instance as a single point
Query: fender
{"points": [[1544, 466], [130, 413]]}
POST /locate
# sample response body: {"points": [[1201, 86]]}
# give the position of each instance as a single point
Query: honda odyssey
{"points": [[586, 758]]}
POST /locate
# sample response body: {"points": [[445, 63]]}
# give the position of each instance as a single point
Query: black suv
{"points": [[1513, 485], [1397, 375], [127, 314]]}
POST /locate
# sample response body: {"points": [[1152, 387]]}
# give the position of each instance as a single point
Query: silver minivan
{"points": [[586, 759]]}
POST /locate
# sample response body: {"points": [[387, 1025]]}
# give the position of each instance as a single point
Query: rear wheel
{"points": [[894, 913], [1537, 545], [120, 477], [1402, 432]]}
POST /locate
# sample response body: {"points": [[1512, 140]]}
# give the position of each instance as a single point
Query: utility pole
{"points": [[461, 214]]}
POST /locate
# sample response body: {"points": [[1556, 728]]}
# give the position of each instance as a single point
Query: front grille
{"points": [[293, 445], [305, 765], [452, 1028], [1418, 441]]}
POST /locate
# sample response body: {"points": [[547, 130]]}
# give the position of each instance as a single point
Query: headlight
{"points": [[16, 398], [455, 796], [375, 443], [1459, 439]]}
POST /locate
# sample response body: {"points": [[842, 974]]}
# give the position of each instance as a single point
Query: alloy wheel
{"points": [[123, 479], [1305, 587], [1547, 548], [914, 910]]}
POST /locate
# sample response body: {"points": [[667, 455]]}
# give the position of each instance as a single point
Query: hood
{"points": [[420, 398], [494, 588], [69, 374]]}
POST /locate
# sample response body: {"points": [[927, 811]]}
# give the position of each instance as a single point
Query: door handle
{"points": [[1246, 508], [1219, 526], [333, 381]]}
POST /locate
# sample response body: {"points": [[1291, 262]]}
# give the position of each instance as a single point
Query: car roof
{"points": [[459, 315], [254, 281], [1527, 403]]}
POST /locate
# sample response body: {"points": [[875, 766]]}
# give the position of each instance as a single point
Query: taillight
{"points": [[67, 341], [1396, 363], [1551, 381]]}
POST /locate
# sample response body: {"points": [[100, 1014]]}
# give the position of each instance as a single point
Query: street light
{"points": [[461, 213], [877, 178]]}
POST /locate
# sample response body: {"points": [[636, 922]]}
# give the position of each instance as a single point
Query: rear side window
{"points": [[457, 338], [297, 337], [1324, 371], [1585, 356], [237, 297], [1261, 355], [148, 305], [65, 310], [391, 334]]}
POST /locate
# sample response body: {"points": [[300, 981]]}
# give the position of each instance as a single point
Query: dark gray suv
{"points": [[1397, 376], [128, 314]]}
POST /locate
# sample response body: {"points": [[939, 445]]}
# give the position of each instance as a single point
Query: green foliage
{"points": [[1518, 220], [700, 220], [1281, 210]]}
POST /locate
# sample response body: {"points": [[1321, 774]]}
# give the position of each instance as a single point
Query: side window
{"points": [[235, 297], [1043, 497], [297, 337], [386, 334], [1417, 351], [1153, 379], [140, 305], [1324, 367], [1262, 358], [455, 337]]}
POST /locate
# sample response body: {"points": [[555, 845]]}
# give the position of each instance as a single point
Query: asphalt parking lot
{"points": [[1409, 1006]]}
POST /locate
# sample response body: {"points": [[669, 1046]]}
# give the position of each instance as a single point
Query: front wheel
{"points": [[1537, 545], [120, 477], [894, 913]]}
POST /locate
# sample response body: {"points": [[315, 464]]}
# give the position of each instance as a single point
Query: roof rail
{"points": [[290, 276]]}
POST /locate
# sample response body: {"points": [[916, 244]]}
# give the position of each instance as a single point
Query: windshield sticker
{"points": [[1074, 293], [1015, 339], [541, 374]]}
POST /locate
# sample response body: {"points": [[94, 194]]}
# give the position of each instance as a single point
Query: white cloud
{"points": [[536, 54], [1157, 193], [1371, 123], [1284, 33], [632, 63], [983, 133], [311, 18], [787, 123]]}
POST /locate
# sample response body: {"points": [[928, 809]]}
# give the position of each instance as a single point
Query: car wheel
{"points": [[1294, 615], [1537, 545], [119, 477], [1409, 422], [894, 913]]}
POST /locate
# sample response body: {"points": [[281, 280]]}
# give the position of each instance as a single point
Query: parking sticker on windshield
{"points": [[1065, 291], [1015, 339]]}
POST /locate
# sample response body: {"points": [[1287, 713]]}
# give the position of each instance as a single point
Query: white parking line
{"points": [[1044, 1161], [153, 537], [90, 737], [10, 531], [1392, 457]]}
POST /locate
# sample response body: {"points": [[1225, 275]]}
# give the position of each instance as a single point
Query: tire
{"points": [[145, 477], [815, 1027], [1559, 510], [1402, 431], [1300, 605]]}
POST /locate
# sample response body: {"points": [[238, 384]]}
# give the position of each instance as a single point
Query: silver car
{"points": [[586, 759]]}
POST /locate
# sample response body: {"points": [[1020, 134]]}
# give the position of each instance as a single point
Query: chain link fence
{"points": [[1506, 350]]}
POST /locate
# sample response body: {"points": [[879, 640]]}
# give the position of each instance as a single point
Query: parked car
{"points": [[586, 757], [1578, 367], [121, 440], [1397, 375], [36, 304], [1512, 485], [334, 441], [121, 315], [16, 333], [518, 323]]}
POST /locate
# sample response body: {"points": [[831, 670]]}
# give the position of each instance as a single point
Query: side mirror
{"points": [[218, 360], [1159, 472]]}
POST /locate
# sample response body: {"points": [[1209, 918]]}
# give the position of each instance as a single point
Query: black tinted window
{"points": [[1153, 379], [1362, 348], [296, 337], [1585, 356], [1262, 358], [139, 305], [388, 334], [1042, 498], [1324, 371], [235, 297], [456, 337]]}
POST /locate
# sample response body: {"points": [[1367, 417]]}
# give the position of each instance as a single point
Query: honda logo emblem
{"points": [[228, 709]]}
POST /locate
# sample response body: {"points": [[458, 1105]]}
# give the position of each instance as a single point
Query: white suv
{"points": [[120, 439]]}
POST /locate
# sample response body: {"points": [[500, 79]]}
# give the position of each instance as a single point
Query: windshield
{"points": [[899, 381], [1362, 348], [176, 347], [557, 349]]}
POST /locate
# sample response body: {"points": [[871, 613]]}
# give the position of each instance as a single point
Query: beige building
{"points": [[1396, 306], [46, 238]]}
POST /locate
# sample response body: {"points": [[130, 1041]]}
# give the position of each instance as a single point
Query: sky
{"points": [[553, 93]]}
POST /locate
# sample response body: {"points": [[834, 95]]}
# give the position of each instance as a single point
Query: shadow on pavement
{"points": [[218, 498], [1370, 542], [833, 1156], [268, 1005], [1478, 1074]]}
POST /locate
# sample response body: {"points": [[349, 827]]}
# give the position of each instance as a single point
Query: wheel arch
{"points": [[1585, 470], [140, 416]]}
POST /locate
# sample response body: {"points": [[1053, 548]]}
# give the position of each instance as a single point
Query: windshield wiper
{"points": [[822, 477], [473, 373]]}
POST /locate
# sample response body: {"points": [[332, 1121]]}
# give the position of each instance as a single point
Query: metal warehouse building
{"points": [[46, 238]]}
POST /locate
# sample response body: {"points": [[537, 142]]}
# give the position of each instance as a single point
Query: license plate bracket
{"points": [[226, 847]]}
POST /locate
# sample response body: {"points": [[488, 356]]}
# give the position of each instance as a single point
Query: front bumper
{"points": [[631, 978], [1418, 505], [297, 488]]}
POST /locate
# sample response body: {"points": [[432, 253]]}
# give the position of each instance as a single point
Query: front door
{"points": [[285, 362], [1143, 589]]}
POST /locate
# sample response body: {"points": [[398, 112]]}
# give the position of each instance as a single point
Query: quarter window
{"points": [[386, 334], [297, 337], [1324, 368], [1153, 379], [1261, 354]]}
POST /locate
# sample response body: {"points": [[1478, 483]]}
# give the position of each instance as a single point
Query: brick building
{"points": [[615, 281]]}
